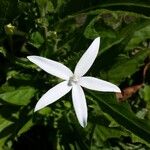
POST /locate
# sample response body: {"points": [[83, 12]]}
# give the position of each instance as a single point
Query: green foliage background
{"points": [[62, 30]]}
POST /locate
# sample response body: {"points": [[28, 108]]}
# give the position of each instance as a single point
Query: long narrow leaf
{"points": [[122, 113]]}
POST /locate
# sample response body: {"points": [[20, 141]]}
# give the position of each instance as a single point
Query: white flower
{"points": [[73, 81]]}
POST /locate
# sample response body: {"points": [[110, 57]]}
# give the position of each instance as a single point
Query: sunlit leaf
{"points": [[21, 96]]}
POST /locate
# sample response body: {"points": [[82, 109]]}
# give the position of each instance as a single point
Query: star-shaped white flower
{"points": [[74, 81]]}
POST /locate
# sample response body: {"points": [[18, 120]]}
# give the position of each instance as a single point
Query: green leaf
{"points": [[138, 37], [104, 25], [20, 96], [115, 27], [45, 7], [26, 127], [4, 123], [122, 113], [104, 133], [125, 67], [37, 39], [145, 93], [136, 139]]}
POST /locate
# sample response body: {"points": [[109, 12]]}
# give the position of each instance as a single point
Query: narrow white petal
{"points": [[88, 58], [52, 67], [53, 95], [79, 103], [98, 85]]}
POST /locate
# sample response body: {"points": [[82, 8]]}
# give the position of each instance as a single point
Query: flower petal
{"points": [[98, 84], [88, 58], [53, 95], [79, 103], [52, 67]]}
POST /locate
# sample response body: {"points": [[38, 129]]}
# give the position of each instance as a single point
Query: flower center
{"points": [[73, 80]]}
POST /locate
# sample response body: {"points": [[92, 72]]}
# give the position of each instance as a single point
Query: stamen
{"points": [[72, 80]]}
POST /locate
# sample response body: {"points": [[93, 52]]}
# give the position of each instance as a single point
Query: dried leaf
{"points": [[128, 92]]}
